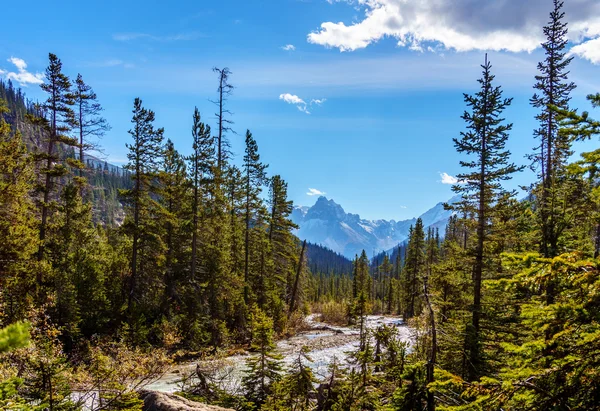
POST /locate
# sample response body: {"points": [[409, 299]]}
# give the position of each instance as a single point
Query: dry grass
{"points": [[332, 312]]}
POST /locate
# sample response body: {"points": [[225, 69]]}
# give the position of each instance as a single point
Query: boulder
{"points": [[160, 401]]}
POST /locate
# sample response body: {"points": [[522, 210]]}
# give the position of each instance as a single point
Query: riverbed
{"points": [[324, 342]]}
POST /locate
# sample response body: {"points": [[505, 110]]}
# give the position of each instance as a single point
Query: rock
{"points": [[160, 401]]}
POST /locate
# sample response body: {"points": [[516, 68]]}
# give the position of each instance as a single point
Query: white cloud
{"points": [[589, 50], [299, 103], [448, 179], [19, 63], [461, 25], [315, 192], [403, 207], [289, 47], [291, 98], [22, 76]]}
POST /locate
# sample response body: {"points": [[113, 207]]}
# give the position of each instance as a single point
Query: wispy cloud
{"points": [[403, 207], [22, 76], [448, 179], [315, 192], [289, 47], [300, 103], [152, 37], [110, 63], [294, 99]]}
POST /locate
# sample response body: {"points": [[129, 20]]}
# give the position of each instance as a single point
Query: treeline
{"points": [[198, 248]]}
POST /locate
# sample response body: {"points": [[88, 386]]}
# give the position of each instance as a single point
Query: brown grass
{"points": [[332, 312]]}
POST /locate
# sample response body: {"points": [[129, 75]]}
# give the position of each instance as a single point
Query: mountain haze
{"points": [[327, 223]]}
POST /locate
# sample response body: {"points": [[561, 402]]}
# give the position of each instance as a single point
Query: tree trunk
{"points": [[296, 282], [195, 221], [220, 139], [47, 185], [432, 354], [478, 269], [247, 243], [134, 251]]}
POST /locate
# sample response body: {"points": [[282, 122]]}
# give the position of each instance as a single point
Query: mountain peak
{"points": [[325, 209], [326, 223]]}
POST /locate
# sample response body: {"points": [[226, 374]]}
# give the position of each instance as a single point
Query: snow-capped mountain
{"points": [[327, 223]]}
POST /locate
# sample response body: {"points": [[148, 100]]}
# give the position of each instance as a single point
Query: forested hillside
{"points": [[104, 180], [201, 262]]}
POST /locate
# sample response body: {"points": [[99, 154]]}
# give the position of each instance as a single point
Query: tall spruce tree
{"points": [[488, 165], [414, 265], [254, 178], [283, 244], [174, 197], [144, 155], [362, 286], [201, 163], [553, 91], [59, 121]]}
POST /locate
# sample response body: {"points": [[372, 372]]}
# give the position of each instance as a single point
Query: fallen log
{"points": [[160, 401]]}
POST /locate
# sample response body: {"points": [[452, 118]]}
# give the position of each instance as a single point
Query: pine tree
{"points": [[224, 124], [265, 368], [235, 191], [413, 269], [484, 141], [17, 223], [362, 285], [90, 123], [174, 195], [432, 253], [386, 283], [144, 154], [59, 122], [254, 178], [554, 149], [282, 242], [298, 384], [201, 166], [224, 289], [581, 127]]}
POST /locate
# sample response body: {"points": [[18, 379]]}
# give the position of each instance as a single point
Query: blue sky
{"points": [[388, 76]]}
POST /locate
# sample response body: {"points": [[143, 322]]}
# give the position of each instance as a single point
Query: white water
{"points": [[324, 345]]}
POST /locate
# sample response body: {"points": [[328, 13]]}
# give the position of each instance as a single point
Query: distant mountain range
{"points": [[326, 223]]}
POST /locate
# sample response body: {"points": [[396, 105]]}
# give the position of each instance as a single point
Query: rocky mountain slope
{"points": [[327, 223]]}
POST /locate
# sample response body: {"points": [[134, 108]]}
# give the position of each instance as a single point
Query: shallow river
{"points": [[324, 341]]}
